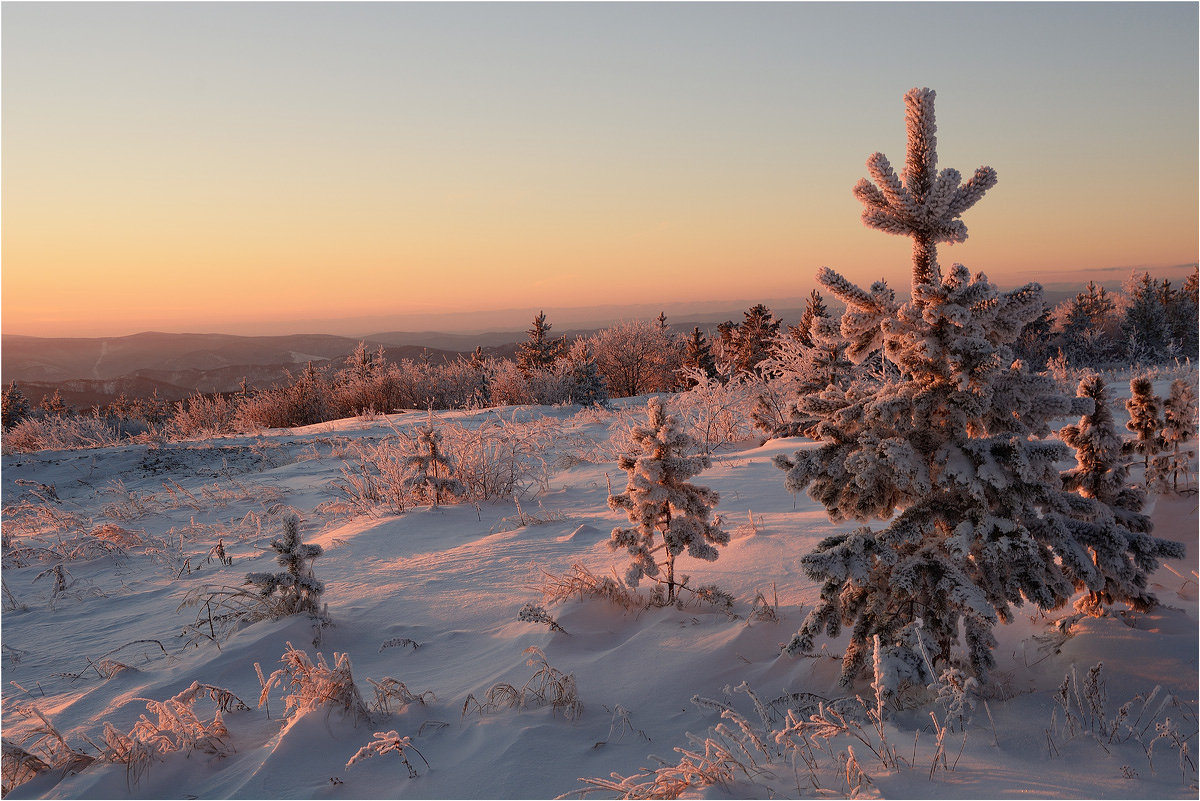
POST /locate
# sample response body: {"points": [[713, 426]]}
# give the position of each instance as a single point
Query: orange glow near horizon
{"points": [[164, 169]]}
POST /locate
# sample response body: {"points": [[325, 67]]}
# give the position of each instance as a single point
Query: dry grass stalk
{"points": [[389, 743], [547, 686], [315, 684], [532, 613], [391, 691], [222, 611], [579, 582], [42, 742], [18, 766]]}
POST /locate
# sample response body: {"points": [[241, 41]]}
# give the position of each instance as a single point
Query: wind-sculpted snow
{"points": [[442, 588]]}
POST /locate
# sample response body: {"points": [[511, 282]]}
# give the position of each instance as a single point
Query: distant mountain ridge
{"points": [[93, 371]]}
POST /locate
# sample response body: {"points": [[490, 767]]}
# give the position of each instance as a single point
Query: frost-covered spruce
{"points": [[698, 355], [1145, 420], [668, 513], [950, 448], [15, 406], [801, 371], [540, 350], [588, 386], [1119, 541], [1100, 472], [297, 589], [814, 310], [431, 478], [1179, 428]]}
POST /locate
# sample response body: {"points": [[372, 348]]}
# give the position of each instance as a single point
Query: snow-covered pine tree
{"points": [[1183, 317], [1179, 429], [661, 504], [482, 370], [432, 477], [954, 442], [16, 406], [698, 355], [1145, 328], [661, 321], [540, 351], [54, 405], [798, 371], [298, 590], [362, 363], [1034, 346], [814, 310], [588, 386], [1121, 548], [1087, 325], [752, 338], [1145, 420]]}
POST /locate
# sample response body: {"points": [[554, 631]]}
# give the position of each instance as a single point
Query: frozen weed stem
{"points": [[547, 686], [389, 743], [314, 684]]}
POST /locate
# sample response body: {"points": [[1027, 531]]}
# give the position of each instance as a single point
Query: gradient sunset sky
{"points": [[266, 168]]}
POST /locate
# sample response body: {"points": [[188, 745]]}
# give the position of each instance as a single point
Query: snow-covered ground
{"points": [[452, 579]]}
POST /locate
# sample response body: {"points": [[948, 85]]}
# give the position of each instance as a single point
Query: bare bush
{"points": [[223, 610]]}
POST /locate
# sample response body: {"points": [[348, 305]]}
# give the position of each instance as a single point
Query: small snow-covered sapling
{"points": [[661, 504], [296, 589]]}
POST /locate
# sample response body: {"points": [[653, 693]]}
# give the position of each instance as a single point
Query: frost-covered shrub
{"points": [[367, 383], [950, 446], [502, 456], [548, 686], [431, 472], [60, 434], [305, 399], [296, 589], [661, 504], [311, 685], [175, 727], [202, 416], [512, 386], [389, 742], [636, 357], [717, 410]]}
